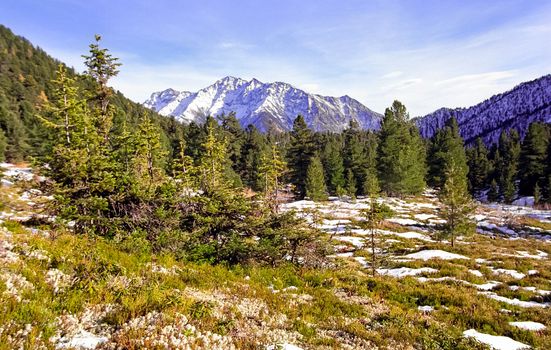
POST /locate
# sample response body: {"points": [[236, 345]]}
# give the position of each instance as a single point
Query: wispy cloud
{"points": [[374, 51]]}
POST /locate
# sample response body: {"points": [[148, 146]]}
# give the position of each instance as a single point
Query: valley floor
{"points": [[62, 291]]}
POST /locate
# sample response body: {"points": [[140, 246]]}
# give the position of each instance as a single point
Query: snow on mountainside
{"points": [[515, 109], [265, 105]]}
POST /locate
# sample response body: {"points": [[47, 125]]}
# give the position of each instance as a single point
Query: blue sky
{"points": [[428, 54]]}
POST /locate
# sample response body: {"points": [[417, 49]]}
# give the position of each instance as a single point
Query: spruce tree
{"points": [[299, 154], [353, 151], [532, 162], [446, 146], [213, 163], [479, 167], [251, 158], [271, 171], [401, 153], [507, 164], [102, 66], [457, 203], [147, 161], [350, 183], [334, 168], [315, 181]]}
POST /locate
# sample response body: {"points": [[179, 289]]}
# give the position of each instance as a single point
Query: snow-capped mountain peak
{"points": [[265, 105]]}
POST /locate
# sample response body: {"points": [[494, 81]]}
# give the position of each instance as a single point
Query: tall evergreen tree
{"points": [[446, 146], [457, 203], [479, 167], [271, 171], [350, 183], [532, 162], [507, 164], [401, 153], [315, 181], [354, 157], [334, 168], [251, 158], [299, 154]]}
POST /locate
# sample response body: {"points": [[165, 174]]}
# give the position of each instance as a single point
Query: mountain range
{"points": [[266, 105], [276, 105]]}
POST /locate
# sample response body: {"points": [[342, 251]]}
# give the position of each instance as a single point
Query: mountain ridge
{"points": [[516, 108], [276, 105], [266, 105]]}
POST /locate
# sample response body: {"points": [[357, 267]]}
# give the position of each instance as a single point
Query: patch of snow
{"points": [[513, 273], [423, 217], [528, 325], [476, 273], [405, 271], [404, 222], [515, 301], [524, 202], [434, 254], [494, 341], [355, 241]]}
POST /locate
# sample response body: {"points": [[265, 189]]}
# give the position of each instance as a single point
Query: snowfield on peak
{"points": [[264, 105]]}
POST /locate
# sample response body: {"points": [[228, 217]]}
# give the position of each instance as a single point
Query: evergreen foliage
{"points": [[506, 165], [401, 153], [480, 167], [299, 154], [315, 180], [457, 203], [333, 165], [533, 154], [446, 147]]}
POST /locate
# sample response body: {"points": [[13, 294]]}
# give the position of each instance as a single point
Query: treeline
{"points": [[512, 167]]}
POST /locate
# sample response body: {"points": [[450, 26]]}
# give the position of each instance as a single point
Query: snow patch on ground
{"points": [[434, 254], [476, 273], [515, 301], [529, 325], [405, 271], [495, 342], [513, 273]]}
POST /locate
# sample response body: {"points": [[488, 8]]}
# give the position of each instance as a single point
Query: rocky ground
{"points": [[61, 291]]}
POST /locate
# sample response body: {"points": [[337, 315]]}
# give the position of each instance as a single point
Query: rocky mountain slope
{"points": [[514, 109], [266, 105], [276, 105]]}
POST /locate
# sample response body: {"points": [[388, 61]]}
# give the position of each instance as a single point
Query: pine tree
{"points": [[507, 164], [299, 154], [272, 170], [184, 171], [213, 163], [315, 181], [147, 161], [334, 168], [401, 153], [251, 158], [457, 203], [447, 146], [354, 157], [493, 192], [479, 167], [532, 162], [102, 66], [350, 183]]}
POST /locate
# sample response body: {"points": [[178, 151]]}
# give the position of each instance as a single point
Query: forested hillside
{"points": [[26, 74]]}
